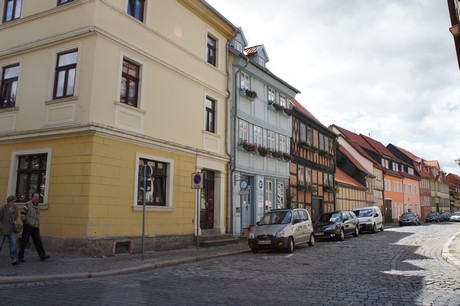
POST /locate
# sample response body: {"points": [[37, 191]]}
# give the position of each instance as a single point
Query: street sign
{"points": [[197, 180]]}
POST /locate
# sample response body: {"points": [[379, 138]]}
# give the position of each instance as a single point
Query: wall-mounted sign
{"points": [[197, 180]]}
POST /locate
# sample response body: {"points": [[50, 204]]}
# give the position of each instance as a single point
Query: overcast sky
{"points": [[384, 68]]}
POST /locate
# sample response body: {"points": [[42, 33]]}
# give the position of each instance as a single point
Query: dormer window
{"points": [[283, 101], [261, 61], [238, 46]]}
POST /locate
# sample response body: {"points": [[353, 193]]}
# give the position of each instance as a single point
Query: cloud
{"points": [[385, 67]]}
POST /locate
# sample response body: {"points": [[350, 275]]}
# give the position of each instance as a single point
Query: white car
{"points": [[455, 217], [370, 218]]}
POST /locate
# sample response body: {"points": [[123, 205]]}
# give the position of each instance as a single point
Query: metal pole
{"points": [[198, 208], [144, 175]]}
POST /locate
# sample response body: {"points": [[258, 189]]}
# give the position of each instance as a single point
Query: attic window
{"points": [[261, 61], [238, 46]]}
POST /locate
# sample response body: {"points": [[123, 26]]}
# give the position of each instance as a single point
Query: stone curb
{"points": [[9, 280], [451, 258]]}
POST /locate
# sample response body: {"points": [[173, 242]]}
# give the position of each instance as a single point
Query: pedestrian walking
{"points": [[30, 216], [8, 218]]}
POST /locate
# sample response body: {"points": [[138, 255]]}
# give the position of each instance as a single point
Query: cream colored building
{"points": [[92, 91]]}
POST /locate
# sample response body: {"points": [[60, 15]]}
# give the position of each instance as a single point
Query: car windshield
{"points": [[432, 214], [276, 217], [456, 214], [363, 212], [408, 215], [332, 217]]}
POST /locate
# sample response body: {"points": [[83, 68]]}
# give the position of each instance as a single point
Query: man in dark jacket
{"points": [[30, 216]]}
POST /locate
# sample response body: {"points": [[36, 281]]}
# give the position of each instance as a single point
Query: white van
{"points": [[370, 218]]}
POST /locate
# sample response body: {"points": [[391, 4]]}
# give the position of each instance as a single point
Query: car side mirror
{"points": [[257, 223]]}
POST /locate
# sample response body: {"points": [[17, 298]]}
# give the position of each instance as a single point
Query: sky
{"points": [[383, 68]]}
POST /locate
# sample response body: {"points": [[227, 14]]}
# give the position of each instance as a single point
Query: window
{"points": [[63, 1], [271, 95], [153, 175], [136, 9], [244, 130], [129, 83], [280, 193], [9, 86], [31, 176], [328, 179], [301, 174], [309, 136], [283, 101], [212, 51], [66, 68], [282, 143], [308, 175], [258, 139], [238, 46], [303, 132], [210, 113], [410, 171], [271, 140], [244, 80], [12, 10]]}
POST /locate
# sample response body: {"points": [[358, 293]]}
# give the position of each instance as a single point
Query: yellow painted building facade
{"points": [[94, 91]]}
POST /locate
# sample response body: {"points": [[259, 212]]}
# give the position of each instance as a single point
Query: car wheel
{"points": [[311, 242], [381, 228], [290, 245], [374, 228], [341, 237], [356, 233]]}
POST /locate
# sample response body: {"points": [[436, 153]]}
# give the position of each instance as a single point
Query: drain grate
{"points": [[123, 247]]}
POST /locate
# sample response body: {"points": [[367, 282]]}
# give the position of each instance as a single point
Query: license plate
{"points": [[319, 234], [264, 242]]}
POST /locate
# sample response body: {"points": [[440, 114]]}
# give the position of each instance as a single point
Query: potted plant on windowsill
{"points": [[307, 187], [249, 147], [278, 107], [287, 156], [277, 154], [263, 151], [251, 94]]}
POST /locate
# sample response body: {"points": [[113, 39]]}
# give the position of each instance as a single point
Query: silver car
{"points": [[282, 229]]}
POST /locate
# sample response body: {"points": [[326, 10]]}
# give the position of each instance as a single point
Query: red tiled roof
{"points": [[304, 110], [342, 178], [418, 162], [251, 50]]}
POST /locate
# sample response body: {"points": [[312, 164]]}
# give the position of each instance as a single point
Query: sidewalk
{"points": [[64, 266]]}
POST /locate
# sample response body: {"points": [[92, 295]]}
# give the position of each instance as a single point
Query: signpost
{"points": [[198, 184]]}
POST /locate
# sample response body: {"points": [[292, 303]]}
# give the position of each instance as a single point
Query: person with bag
{"points": [[8, 221], [30, 216]]}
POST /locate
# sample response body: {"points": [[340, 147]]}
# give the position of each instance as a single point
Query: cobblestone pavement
{"points": [[400, 266]]}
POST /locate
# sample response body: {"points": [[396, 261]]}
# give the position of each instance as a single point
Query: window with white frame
{"points": [[271, 95], [268, 195], [258, 136], [303, 132], [410, 171], [308, 173], [283, 101], [271, 140], [282, 143], [9, 86], [244, 80], [29, 173], [154, 181], [244, 130], [321, 142], [300, 174]]}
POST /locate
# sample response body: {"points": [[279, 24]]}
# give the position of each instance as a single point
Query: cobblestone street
{"points": [[400, 266]]}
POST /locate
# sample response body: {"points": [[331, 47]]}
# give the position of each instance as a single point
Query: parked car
{"points": [[370, 218], [409, 218], [337, 225], [455, 217], [433, 217], [282, 229], [445, 216]]}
